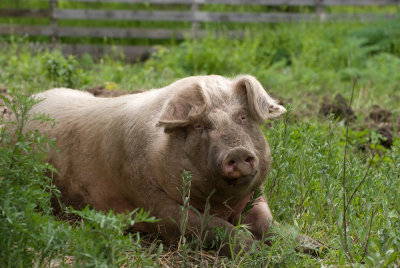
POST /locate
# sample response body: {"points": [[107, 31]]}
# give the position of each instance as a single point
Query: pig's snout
{"points": [[238, 163]]}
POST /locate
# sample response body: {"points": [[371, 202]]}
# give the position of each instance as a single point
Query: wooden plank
{"points": [[255, 2], [357, 17], [253, 17], [95, 32], [179, 16], [23, 29], [124, 15], [122, 33], [31, 13], [132, 53], [30, 30], [225, 2], [109, 32], [53, 20], [360, 2]]}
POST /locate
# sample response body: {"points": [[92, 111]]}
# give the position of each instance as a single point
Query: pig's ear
{"points": [[261, 105], [187, 104]]}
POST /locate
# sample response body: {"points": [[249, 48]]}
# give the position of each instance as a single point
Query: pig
{"points": [[131, 151]]}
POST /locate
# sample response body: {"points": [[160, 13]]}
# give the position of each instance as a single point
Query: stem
{"points": [[333, 208], [186, 184], [368, 236], [344, 175], [301, 181], [361, 182]]}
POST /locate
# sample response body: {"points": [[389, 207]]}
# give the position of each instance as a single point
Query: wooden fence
{"points": [[192, 14]]}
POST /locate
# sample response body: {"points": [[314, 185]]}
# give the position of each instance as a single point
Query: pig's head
{"points": [[213, 125]]}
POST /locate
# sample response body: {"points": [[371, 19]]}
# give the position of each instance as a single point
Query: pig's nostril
{"points": [[230, 166], [231, 162], [250, 160]]}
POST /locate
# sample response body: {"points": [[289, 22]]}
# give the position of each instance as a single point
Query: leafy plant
{"points": [[25, 190], [60, 70]]}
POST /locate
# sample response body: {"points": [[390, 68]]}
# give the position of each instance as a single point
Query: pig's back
{"points": [[130, 119], [65, 104]]}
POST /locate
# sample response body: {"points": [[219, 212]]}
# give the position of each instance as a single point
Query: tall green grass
{"points": [[305, 187]]}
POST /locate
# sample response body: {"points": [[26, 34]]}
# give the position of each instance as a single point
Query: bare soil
{"points": [[339, 107], [377, 117], [102, 91], [382, 120], [5, 113]]}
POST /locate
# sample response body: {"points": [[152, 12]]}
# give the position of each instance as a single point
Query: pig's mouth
{"points": [[241, 180]]}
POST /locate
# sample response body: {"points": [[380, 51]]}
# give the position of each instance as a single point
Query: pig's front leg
{"points": [[168, 211], [260, 219]]}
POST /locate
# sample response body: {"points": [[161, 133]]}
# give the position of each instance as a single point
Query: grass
{"points": [[317, 185]]}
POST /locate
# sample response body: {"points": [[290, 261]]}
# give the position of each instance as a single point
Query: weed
{"points": [[254, 196], [61, 70]]}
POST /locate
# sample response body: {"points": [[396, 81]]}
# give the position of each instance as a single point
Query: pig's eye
{"points": [[242, 118], [198, 126]]}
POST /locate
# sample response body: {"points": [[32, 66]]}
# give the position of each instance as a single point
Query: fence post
{"points": [[195, 23], [320, 9], [53, 22]]}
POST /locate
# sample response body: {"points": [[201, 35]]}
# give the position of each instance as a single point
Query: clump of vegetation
{"points": [[63, 71], [305, 187]]}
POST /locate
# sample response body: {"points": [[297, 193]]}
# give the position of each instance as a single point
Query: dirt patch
{"points": [[378, 118], [282, 101], [102, 91], [380, 115], [381, 120], [5, 113], [339, 107], [387, 134]]}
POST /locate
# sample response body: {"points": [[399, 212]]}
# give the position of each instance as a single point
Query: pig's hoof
{"points": [[310, 246]]}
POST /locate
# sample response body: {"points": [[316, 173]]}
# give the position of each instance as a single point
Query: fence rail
{"points": [[31, 13], [193, 15], [199, 16], [253, 2], [95, 32]]}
